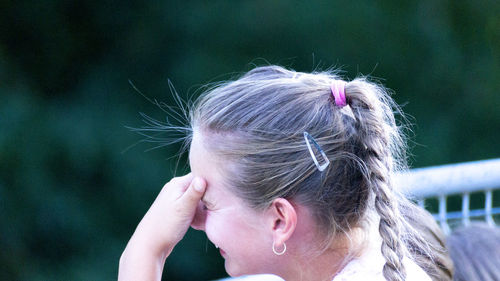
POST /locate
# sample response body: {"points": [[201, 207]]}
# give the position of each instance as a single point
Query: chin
{"points": [[231, 270], [235, 270]]}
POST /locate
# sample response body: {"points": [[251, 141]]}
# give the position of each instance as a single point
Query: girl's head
{"points": [[253, 128]]}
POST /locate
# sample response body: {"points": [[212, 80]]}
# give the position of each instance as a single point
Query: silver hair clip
{"points": [[309, 139]]}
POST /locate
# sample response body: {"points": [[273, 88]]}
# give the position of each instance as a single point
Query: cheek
{"points": [[216, 228], [246, 249], [226, 232], [230, 232]]}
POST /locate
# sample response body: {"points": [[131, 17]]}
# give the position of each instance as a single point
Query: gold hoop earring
{"points": [[279, 253]]}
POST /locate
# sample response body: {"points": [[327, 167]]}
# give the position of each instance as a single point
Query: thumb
{"points": [[194, 193]]}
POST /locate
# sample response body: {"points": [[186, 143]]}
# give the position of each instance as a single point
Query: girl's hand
{"points": [[163, 226]]}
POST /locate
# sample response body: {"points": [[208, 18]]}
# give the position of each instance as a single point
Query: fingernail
{"points": [[198, 185]]}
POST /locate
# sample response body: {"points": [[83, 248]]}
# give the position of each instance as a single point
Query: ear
{"points": [[283, 220]]}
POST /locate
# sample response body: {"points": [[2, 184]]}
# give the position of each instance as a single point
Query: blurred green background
{"points": [[72, 189]]}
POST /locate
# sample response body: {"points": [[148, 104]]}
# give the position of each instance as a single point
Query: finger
{"points": [[186, 181], [182, 181], [194, 193], [179, 184]]}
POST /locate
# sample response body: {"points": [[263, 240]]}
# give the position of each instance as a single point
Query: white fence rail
{"points": [[456, 179]]}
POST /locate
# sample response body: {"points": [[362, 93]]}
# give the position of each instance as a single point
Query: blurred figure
{"points": [[475, 251]]}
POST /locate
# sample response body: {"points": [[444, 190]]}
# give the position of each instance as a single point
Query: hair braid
{"points": [[390, 231], [376, 131]]}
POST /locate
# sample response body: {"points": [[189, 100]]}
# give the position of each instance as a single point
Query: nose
{"points": [[199, 218]]}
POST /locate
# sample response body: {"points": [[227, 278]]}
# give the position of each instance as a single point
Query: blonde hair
{"points": [[257, 124], [439, 266]]}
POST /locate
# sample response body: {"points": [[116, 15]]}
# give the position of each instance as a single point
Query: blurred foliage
{"points": [[72, 184]]}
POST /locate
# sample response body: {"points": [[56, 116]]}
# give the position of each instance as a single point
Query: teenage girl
{"points": [[291, 175]]}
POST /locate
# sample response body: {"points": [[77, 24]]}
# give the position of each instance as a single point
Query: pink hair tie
{"points": [[338, 92]]}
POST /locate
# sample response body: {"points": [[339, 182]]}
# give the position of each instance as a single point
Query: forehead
{"points": [[212, 169], [204, 164], [193, 149], [199, 156]]}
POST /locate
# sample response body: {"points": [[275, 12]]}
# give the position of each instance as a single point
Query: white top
{"points": [[257, 277]]}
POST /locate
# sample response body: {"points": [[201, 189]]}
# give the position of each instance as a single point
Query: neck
{"points": [[323, 267], [309, 265], [305, 259]]}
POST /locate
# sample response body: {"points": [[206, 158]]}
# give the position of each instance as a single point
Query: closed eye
{"points": [[206, 205]]}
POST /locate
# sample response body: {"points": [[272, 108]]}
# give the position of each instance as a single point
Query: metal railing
{"points": [[456, 179]]}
